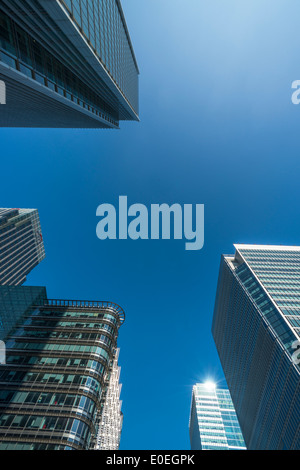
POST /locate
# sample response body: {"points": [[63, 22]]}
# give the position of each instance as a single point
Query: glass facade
{"points": [[77, 55], [14, 302], [103, 25], [278, 273], [59, 358], [255, 328], [21, 244], [213, 420]]}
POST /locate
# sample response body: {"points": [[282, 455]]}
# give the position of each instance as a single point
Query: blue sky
{"points": [[217, 128]]}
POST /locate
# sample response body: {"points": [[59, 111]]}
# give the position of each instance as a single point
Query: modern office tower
{"points": [[256, 328], [213, 421], [111, 420], [21, 244], [66, 63], [2, 352], [58, 365]]}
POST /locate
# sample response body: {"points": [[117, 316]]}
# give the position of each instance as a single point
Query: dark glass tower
{"points": [[66, 63], [21, 244], [256, 328], [60, 359]]}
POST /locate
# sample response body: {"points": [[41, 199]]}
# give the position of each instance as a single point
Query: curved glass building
{"points": [[59, 362]]}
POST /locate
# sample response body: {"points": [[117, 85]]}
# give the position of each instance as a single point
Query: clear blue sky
{"points": [[217, 127]]}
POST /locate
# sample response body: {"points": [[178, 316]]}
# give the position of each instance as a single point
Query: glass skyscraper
{"points": [[59, 375], [111, 419], [256, 328], [213, 420], [66, 63], [21, 244]]}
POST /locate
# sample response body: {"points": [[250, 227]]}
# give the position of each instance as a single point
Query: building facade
{"points": [[66, 63], [53, 386], [256, 328], [111, 420], [213, 420], [21, 244]]}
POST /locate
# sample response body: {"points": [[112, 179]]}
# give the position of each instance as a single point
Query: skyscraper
{"points": [[60, 359], [213, 421], [21, 244], [111, 419], [14, 302], [66, 63], [256, 328]]}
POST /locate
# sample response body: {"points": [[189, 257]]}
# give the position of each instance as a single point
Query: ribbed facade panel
{"points": [[255, 338], [21, 244]]}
